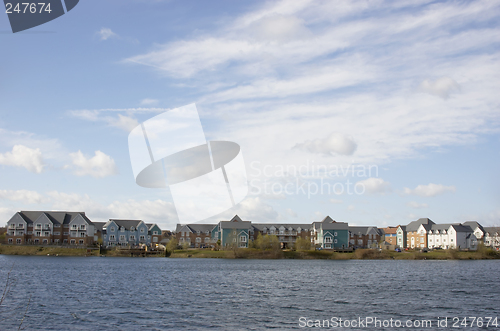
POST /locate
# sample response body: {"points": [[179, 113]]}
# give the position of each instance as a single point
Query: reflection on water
{"points": [[70, 293]]}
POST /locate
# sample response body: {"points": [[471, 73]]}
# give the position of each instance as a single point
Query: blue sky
{"points": [[410, 88]]}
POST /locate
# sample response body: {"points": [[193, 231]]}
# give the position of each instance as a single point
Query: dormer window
{"points": [[131, 228]]}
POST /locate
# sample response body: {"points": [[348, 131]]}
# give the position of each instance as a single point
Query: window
{"points": [[207, 239], [57, 233], [65, 241], [122, 237], [82, 226], [12, 226], [38, 234], [72, 242], [234, 240], [328, 245], [18, 240], [155, 233], [65, 233], [198, 239], [57, 225], [122, 229], [234, 232], [74, 227], [112, 229], [142, 230], [10, 241], [335, 234], [132, 238], [243, 239], [328, 240], [131, 228], [421, 239], [207, 232], [142, 238], [56, 241], [20, 226], [82, 234], [335, 241]]}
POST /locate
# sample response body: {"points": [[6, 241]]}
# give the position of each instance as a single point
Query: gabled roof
{"points": [[364, 230], [235, 225], [327, 219], [294, 226], [440, 227], [56, 217], [127, 224], [152, 225], [413, 226], [462, 228], [474, 225], [492, 230], [201, 227], [99, 225]]}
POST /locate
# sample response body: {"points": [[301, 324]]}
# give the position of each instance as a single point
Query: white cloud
{"points": [[150, 211], [100, 165], [375, 185], [25, 157], [351, 207], [441, 87], [124, 122], [280, 28], [417, 205], [335, 143], [148, 101], [430, 190], [106, 33], [290, 212], [25, 196]]}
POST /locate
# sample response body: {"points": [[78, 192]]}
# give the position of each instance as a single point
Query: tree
{"points": [[267, 242], [171, 245], [303, 244]]}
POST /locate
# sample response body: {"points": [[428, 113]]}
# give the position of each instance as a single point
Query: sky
{"points": [[372, 112]]}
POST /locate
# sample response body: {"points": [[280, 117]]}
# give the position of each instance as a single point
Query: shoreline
{"points": [[249, 253]]}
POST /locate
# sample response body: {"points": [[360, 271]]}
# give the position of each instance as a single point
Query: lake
{"points": [[97, 293]]}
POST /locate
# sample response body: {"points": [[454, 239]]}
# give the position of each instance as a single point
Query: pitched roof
{"points": [[201, 227], [363, 230], [294, 226], [99, 225], [474, 225], [492, 230], [462, 228], [413, 226], [56, 217], [127, 224]]}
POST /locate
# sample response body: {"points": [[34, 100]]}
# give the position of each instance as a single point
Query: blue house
{"points": [[125, 233]]}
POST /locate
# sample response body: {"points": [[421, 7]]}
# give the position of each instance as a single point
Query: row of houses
{"points": [[329, 234], [75, 228]]}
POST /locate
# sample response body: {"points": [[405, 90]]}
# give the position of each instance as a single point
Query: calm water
{"points": [[197, 294]]}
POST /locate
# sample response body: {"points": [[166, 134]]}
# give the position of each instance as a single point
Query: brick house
{"points": [[50, 227]]}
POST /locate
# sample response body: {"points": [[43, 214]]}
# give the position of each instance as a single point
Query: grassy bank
{"points": [[252, 253], [36, 250], [360, 254]]}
